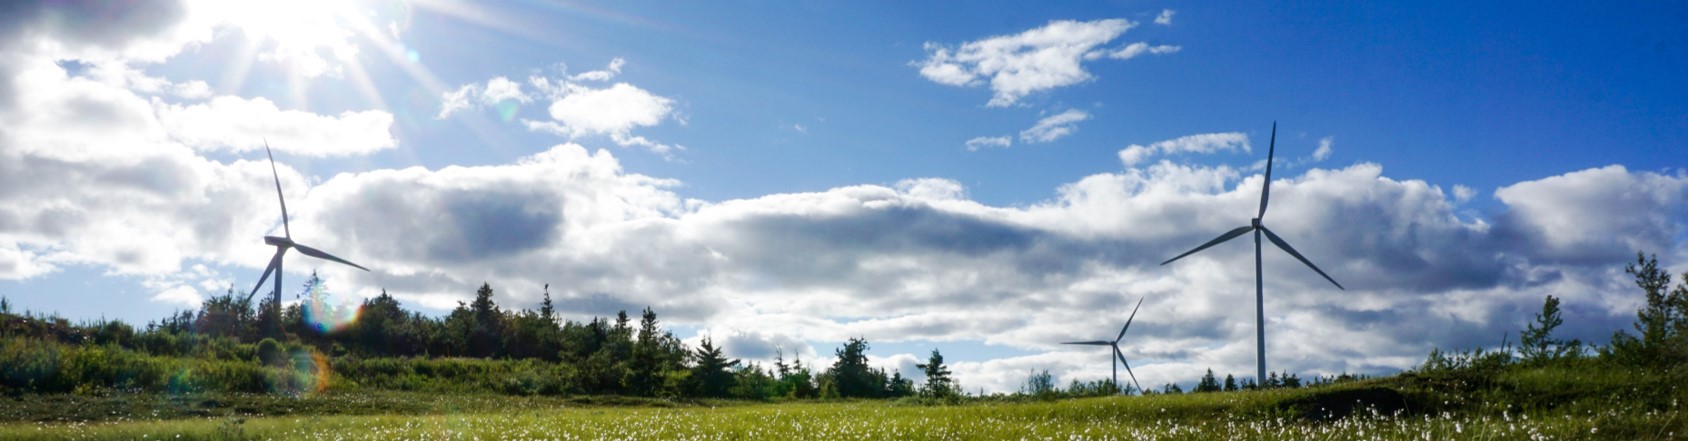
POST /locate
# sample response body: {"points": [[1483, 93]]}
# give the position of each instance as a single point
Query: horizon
{"points": [[988, 181]]}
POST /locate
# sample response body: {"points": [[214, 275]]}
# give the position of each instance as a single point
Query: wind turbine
{"points": [[1257, 227], [283, 243], [1119, 357]]}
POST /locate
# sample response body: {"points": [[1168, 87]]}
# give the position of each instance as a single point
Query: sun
{"points": [[310, 37]]}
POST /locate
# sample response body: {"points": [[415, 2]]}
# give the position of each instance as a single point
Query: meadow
{"points": [[1571, 401]]}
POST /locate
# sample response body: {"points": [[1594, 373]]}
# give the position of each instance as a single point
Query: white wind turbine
{"points": [[1119, 357], [283, 243], [1258, 227]]}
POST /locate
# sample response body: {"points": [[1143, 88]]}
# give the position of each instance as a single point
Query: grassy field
{"points": [[1554, 403]]}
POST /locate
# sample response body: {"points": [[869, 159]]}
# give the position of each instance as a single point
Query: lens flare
{"points": [[321, 313], [306, 373]]}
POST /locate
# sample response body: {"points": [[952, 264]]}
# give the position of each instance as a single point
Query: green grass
{"points": [[1179, 417], [1564, 402]]}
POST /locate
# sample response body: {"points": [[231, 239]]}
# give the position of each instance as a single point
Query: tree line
{"points": [[229, 344], [536, 350]]}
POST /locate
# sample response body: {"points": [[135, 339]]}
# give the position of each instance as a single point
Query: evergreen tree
{"points": [[938, 382], [645, 374], [899, 386], [850, 374], [1208, 383], [1230, 383], [487, 328], [710, 376], [1536, 343], [1662, 322]]}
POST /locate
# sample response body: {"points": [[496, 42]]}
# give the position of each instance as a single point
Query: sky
{"points": [[985, 179]]}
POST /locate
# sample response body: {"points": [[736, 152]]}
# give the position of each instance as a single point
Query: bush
{"points": [[271, 353]]}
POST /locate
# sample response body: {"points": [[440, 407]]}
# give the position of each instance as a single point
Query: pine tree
{"points": [[486, 332], [937, 377], [1208, 383], [850, 374], [1536, 343], [1230, 383], [710, 376]]}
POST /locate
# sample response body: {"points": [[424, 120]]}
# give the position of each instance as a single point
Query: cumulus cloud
{"points": [[576, 109], [1035, 60], [240, 124], [1463, 194], [99, 162], [498, 91], [1203, 143], [1054, 127], [983, 142], [1617, 212]]}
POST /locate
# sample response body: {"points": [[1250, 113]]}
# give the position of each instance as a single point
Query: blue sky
{"points": [[984, 178]]}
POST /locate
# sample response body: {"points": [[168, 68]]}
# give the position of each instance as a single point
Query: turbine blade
{"points": [[1223, 237], [1266, 187], [313, 252], [1127, 364], [1093, 343], [275, 262], [284, 228], [1285, 246], [1128, 321]]}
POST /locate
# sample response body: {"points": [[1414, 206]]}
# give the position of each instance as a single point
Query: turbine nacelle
{"points": [[1260, 229], [285, 242], [1119, 356]]}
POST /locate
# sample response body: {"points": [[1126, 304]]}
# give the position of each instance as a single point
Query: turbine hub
{"points": [[1255, 222], [278, 241]]}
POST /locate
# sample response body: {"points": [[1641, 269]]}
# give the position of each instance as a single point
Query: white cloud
{"points": [[1054, 127], [498, 91], [932, 189], [1036, 60], [1139, 48], [576, 110], [1203, 143], [239, 124], [1165, 17], [1323, 152], [981, 142], [1463, 194], [617, 109], [1616, 212], [607, 74]]}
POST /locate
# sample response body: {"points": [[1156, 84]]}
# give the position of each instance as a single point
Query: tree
{"points": [[1209, 383], [1039, 384], [1230, 383], [1536, 343], [938, 382], [850, 375], [644, 375], [1662, 322], [710, 376], [487, 330]]}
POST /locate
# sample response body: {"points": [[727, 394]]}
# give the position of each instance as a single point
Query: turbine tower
{"points": [[283, 243], [1119, 357], [1258, 227]]}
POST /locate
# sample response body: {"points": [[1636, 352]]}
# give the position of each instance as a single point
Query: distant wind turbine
{"points": [[283, 243], [1119, 357], [1257, 227]]}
